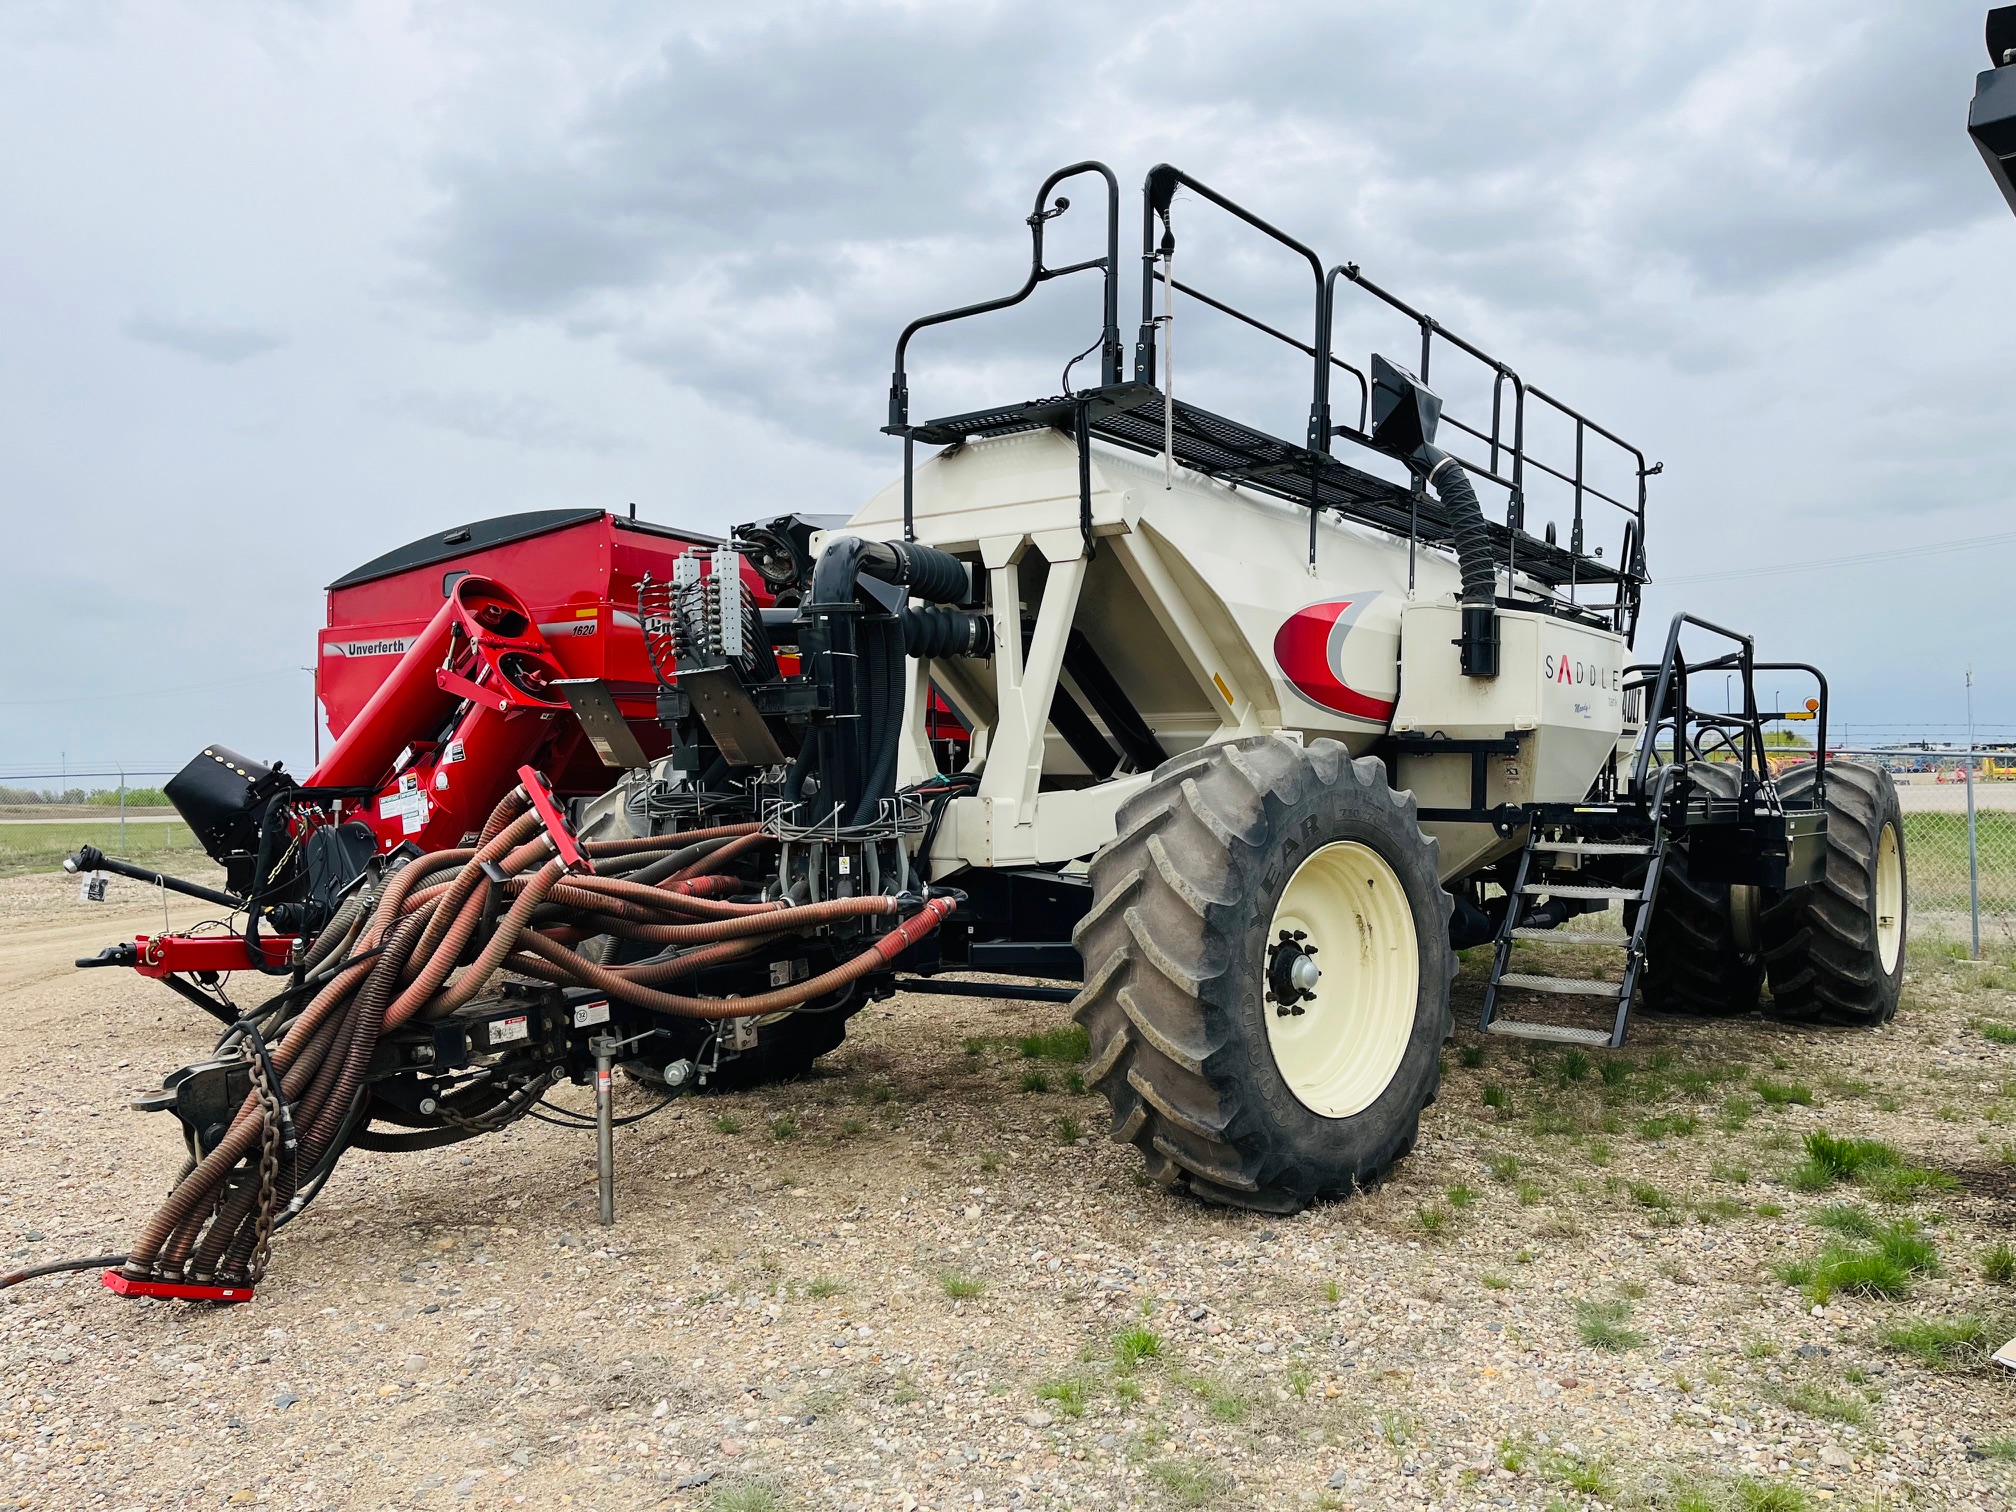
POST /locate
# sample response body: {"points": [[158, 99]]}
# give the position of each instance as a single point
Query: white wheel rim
{"points": [[1343, 1049], [1889, 898]]}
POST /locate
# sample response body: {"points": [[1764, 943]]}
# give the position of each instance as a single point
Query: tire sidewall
{"points": [[1311, 1149]]}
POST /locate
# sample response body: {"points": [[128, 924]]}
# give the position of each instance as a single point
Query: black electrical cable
{"points": [[56, 1267], [569, 1119]]}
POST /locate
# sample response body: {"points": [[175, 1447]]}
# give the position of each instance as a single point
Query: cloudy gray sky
{"points": [[288, 285]]}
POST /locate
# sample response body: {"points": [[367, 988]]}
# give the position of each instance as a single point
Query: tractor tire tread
{"points": [[1164, 980], [1820, 941]]}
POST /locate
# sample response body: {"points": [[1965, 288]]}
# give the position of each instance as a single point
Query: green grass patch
{"points": [[960, 1286], [1220, 1400], [1590, 1477], [1035, 1081], [746, 1496], [784, 1126], [1869, 1163], [1190, 1485], [1068, 1130], [1816, 1401], [1504, 1169], [1431, 1220], [1459, 1196], [1771, 1496], [1574, 1066], [1647, 1195], [1604, 1325], [1069, 1394], [1067, 1044], [1999, 1265], [1494, 1096], [821, 1287], [1133, 1345], [1471, 1056], [727, 1123], [1940, 1343], [1668, 1124], [1782, 1094], [1997, 1033], [1866, 1258]]}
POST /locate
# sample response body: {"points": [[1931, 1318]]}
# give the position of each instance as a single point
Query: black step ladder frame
{"points": [[1654, 811]]}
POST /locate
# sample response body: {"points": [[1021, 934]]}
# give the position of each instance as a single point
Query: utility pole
{"points": [[122, 811], [1973, 847]]}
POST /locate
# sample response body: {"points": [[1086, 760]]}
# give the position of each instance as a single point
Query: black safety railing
{"points": [[1108, 344], [1508, 452], [1498, 451], [1676, 731]]}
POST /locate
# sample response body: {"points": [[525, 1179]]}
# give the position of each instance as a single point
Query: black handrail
{"points": [[1669, 706], [1157, 191], [1109, 339], [1158, 194], [1364, 385]]}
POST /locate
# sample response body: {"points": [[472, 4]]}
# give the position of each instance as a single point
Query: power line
{"points": [[229, 682], [1932, 548]]}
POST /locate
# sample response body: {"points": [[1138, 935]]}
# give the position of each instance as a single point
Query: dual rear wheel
{"points": [[1831, 952]]}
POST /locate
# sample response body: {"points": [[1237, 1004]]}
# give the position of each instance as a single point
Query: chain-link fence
{"points": [[1961, 866]]}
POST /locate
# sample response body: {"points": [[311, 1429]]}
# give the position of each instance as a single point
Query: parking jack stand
{"points": [[605, 1048]]}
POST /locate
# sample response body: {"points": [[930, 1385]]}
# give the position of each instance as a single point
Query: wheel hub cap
{"points": [[1341, 979]]}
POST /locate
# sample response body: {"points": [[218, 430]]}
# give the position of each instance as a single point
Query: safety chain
{"points": [[269, 1171]]}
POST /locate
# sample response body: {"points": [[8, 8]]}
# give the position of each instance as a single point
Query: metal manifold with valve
{"points": [[1107, 698]]}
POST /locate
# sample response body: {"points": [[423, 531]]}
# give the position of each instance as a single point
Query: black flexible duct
{"points": [[932, 632], [1473, 555], [928, 572]]}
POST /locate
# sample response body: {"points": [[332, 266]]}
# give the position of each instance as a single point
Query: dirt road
{"points": [[925, 1279]]}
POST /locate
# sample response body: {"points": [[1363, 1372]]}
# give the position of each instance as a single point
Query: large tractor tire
{"points": [[1703, 949], [1835, 950], [1267, 971]]}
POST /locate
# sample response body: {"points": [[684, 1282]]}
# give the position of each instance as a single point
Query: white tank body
{"points": [[1201, 600]]}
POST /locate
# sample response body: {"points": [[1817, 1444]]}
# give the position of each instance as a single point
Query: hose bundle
{"points": [[426, 943]]}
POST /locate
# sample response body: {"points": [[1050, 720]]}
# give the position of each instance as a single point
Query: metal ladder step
{"points": [[1566, 1034], [1562, 890], [1574, 936], [1575, 986], [1591, 848]]}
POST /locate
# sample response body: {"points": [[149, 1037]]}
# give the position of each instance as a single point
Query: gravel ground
{"points": [[924, 1278]]}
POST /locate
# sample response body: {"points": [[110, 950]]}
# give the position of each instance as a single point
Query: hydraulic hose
{"points": [[1472, 539], [885, 950]]}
